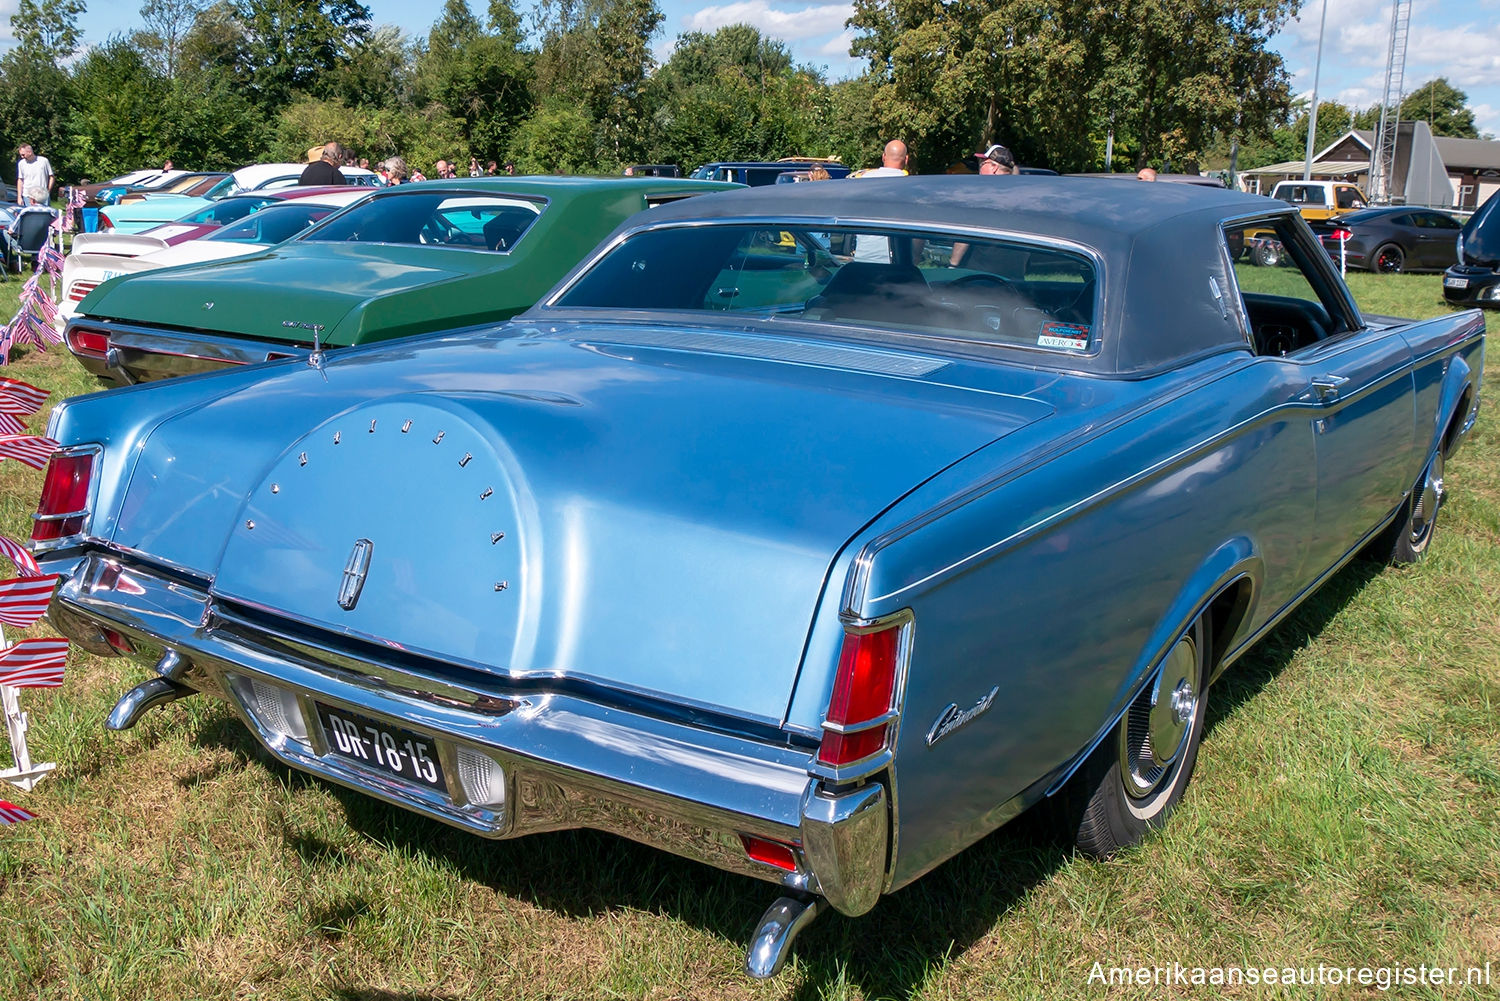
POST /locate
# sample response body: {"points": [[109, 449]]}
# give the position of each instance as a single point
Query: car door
{"points": [[1358, 397], [1437, 239]]}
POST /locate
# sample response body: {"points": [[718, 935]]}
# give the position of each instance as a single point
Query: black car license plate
{"points": [[383, 747]]}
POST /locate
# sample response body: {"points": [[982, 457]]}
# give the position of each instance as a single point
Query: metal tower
{"points": [[1383, 159]]}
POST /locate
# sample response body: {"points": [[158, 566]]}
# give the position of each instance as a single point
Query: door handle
{"points": [[1327, 386]]}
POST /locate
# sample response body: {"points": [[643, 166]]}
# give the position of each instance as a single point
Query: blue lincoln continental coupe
{"points": [[812, 531]]}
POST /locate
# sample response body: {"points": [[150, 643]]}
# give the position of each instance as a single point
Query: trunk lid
{"points": [[654, 519]]}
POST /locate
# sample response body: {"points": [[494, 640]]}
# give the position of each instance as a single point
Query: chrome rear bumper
{"points": [[567, 761], [143, 354]]}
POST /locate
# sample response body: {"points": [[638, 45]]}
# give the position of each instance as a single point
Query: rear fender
{"points": [[1458, 405], [1233, 572]]}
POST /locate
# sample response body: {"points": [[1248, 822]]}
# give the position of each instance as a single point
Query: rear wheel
{"points": [[1138, 774], [1388, 260], [1410, 535]]}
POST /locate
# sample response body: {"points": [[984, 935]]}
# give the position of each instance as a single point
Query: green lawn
{"points": [[1344, 812]]}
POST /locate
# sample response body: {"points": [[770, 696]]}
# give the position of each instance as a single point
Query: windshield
{"points": [[434, 218], [926, 283], [1479, 243], [226, 211], [221, 190], [272, 224]]}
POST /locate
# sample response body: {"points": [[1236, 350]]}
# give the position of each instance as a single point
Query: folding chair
{"points": [[27, 235]]}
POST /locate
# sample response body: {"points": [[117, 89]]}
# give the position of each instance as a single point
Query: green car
{"points": [[408, 260]]}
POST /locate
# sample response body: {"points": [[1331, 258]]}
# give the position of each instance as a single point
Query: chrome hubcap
{"points": [[1424, 514], [1158, 726]]}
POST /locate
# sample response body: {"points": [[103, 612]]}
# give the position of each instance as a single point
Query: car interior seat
{"points": [[883, 293]]}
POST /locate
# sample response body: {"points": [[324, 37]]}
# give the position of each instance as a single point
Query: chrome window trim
{"points": [[875, 227], [1320, 262]]}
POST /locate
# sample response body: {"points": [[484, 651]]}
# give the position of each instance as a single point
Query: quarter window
{"points": [[1291, 298]]}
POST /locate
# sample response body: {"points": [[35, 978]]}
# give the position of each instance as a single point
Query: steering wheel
{"points": [[980, 280]]}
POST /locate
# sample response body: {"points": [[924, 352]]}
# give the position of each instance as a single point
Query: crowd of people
{"points": [[35, 179]]}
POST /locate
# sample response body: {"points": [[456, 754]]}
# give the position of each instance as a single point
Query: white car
{"points": [[98, 257]]}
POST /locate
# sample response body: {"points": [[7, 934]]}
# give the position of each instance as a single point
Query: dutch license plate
{"points": [[1453, 282], [383, 747]]}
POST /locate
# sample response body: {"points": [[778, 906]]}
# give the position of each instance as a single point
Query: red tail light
{"points": [[65, 497], [93, 343], [782, 856], [860, 710], [79, 290], [1342, 234], [106, 224]]}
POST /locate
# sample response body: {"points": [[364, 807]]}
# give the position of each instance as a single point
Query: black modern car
{"points": [[1475, 279], [1391, 239]]}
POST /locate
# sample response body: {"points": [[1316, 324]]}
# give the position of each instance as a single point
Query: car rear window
{"points": [[434, 218], [926, 283], [272, 224]]}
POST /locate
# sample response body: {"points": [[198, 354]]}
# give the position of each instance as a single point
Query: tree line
{"points": [[572, 85]]}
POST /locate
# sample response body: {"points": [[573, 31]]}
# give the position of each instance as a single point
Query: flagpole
{"points": [[1312, 120]]}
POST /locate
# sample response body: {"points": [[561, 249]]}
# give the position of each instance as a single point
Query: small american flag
{"points": [[28, 449], [24, 600], [17, 554], [33, 663], [10, 424], [10, 813], [21, 398]]}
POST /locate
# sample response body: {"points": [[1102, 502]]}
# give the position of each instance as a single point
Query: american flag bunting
{"points": [[24, 600], [17, 554], [10, 813], [21, 398], [34, 663], [28, 449]]}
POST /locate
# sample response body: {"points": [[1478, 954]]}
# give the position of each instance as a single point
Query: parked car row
{"points": [[810, 531]]}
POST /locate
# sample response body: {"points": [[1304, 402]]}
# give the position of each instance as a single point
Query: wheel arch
{"points": [[1223, 591], [1457, 407]]}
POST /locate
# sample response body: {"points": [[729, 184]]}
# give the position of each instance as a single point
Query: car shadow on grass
{"points": [[889, 952]]}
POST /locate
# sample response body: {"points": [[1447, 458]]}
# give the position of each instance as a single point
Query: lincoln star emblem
{"points": [[355, 571]]}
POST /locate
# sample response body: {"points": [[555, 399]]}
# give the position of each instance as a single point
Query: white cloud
{"points": [[1486, 119], [837, 47], [7, 33], [789, 25]]}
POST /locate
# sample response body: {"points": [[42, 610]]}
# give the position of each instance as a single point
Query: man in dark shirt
{"points": [[325, 169]]}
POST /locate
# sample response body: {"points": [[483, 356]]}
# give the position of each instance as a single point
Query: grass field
{"points": [[1344, 812]]}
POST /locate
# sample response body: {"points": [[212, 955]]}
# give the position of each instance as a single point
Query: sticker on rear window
{"points": [[1068, 336]]}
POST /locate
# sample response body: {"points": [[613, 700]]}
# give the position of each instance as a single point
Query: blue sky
{"points": [[1458, 40]]}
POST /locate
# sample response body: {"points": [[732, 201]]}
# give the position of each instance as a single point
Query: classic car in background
{"points": [[171, 182], [1475, 279], [407, 260], [259, 178], [815, 568], [1320, 199], [191, 186], [279, 216], [757, 172], [1391, 239], [91, 189]]}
